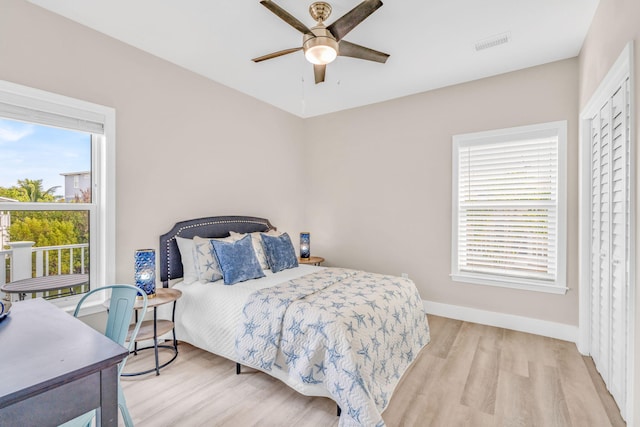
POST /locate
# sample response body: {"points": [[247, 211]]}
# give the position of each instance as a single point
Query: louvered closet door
{"points": [[620, 234], [610, 240], [598, 250]]}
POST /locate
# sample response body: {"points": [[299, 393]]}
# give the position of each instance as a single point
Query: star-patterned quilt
{"points": [[351, 331]]}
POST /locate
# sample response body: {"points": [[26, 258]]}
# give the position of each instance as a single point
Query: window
{"points": [[75, 199], [509, 207]]}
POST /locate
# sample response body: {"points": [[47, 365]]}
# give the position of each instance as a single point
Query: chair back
{"points": [[121, 307]]}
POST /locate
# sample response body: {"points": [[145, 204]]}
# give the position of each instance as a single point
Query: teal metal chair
{"points": [[123, 299]]}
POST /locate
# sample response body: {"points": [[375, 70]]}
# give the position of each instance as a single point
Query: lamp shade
{"points": [[145, 271], [321, 55], [305, 245], [320, 48]]}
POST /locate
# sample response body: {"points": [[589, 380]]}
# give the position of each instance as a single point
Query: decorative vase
{"points": [[305, 245], [145, 271]]}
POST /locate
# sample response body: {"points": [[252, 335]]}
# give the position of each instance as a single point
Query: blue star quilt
{"points": [[353, 332]]}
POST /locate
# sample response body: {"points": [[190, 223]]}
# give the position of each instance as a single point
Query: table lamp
{"points": [[305, 244], [145, 271]]}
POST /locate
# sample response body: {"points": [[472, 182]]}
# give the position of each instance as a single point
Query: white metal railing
{"points": [[43, 258], [5, 258], [23, 260]]}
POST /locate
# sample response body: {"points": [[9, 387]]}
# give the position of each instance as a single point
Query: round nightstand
{"points": [[152, 329], [312, 260]]}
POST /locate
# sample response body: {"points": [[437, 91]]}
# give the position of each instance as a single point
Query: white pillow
{"points": [[186, 248], [256, 241], [206, 263]]}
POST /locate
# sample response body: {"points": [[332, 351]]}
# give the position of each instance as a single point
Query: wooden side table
{"points": [[312, 260], [152, 329]]}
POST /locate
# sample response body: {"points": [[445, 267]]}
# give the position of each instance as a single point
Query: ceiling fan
{"points": [[322, 44]]}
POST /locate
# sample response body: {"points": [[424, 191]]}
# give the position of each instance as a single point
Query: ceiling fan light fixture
{"points": [[320, 54], [320, 48], [321, 44]]}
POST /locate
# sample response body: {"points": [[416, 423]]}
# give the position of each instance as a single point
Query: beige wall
{"points": [[381, 163], [616, 22], [379, 190], [186, 147], [378, 180]]}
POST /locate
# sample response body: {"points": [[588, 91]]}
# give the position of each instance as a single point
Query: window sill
{"points": [[88, 308], [511, 284]]}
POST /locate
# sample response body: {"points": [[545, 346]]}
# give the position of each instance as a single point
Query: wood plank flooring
{"points": [[469, 375]]}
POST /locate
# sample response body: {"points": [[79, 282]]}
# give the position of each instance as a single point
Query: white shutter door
{"points": [[619, 235], [595, 240], [610, 234], [603, 237]]}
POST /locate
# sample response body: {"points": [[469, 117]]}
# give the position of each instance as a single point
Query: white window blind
{"points": [[71, 119], [508, 212]]}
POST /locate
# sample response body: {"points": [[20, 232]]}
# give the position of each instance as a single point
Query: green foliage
{"points": [[44, 231], [47, 227], [13, 193], [34, 192], [30, 190], [43, 228]]}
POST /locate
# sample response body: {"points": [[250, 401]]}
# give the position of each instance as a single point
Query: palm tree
{"points": [[32, 188]]}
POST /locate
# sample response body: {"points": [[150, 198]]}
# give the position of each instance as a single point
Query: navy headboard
{"points": [[214, 226]]}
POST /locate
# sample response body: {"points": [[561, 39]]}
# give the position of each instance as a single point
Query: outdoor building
{"points": [[75, 184]]}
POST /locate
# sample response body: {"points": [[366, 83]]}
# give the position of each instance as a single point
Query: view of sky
{"points": [[41, 152]]}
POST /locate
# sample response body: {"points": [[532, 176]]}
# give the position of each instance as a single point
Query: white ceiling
{"points": [[431, 43]]}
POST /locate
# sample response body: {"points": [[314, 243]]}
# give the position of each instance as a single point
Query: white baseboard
{"points": [[501, 320]]}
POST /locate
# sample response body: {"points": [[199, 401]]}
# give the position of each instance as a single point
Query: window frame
{"points": [[520, 133], [103, 206]]}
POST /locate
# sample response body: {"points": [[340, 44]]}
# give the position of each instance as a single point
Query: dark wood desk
{"points": [[45, 284], [55, 368]]}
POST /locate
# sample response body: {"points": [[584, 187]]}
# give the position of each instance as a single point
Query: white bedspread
{"points": [[352, 331], [208, 314]]}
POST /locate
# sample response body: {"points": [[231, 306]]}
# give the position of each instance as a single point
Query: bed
{"points": [[343, 334]]}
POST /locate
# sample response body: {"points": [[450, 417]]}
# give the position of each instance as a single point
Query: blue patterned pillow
{"points": [[279, 251], [237, 260], [206, 265]]}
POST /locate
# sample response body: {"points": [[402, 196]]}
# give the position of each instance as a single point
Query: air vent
{"points": [[493, 41]]}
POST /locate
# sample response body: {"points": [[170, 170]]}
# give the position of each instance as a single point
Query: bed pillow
{"points": [[237, 260], [279, 252], [256, 241], [207, 267], [187, 256]]}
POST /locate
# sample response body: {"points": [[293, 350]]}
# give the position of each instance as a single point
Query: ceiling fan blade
{"points": [[286, 17], [318, 72], [351, 19], [356, 51], [276, 54]]}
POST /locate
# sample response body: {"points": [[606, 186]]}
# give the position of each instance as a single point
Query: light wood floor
{"points": [[469, 375]]}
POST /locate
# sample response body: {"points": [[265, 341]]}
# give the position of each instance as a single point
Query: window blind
{"points": [[71, 121], [508, 208]]}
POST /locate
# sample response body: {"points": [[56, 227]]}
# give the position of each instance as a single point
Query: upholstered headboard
{"points": [[215, 226]]}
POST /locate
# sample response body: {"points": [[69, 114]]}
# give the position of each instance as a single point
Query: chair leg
{"points": [[122, 403], [85, 420]]}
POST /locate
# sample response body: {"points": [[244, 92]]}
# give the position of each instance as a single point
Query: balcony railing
{"points": [[23, 261]]}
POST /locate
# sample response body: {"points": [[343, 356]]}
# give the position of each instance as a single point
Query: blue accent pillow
{"points": [[279, 252], [237, 260]]}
